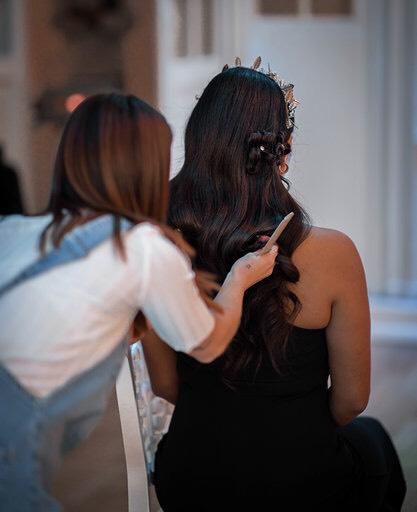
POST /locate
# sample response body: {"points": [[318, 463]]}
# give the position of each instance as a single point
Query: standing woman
{"points": [[74, 280], [260, 428]]}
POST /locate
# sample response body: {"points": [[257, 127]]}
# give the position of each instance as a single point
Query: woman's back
{"points": [[259, 442], [327, 261]]}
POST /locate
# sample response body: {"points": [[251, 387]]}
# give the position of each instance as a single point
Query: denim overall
{"points": [[36, 433]]}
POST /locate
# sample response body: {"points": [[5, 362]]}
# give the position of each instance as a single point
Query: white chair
{"points": [[136, 464], [144, 418]]}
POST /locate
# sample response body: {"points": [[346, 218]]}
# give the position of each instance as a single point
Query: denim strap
{"points": [[76, 244]]}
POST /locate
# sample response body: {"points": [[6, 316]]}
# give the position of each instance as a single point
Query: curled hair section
{"points": [[265, 147]]}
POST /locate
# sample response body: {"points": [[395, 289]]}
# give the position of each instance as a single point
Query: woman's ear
{"points": [[283, 166]]}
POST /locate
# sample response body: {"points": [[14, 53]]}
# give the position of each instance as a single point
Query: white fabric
{"points": [[155, 413], [137, 475], [62, 322]]}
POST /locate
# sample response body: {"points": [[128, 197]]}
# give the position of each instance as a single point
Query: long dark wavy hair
{"points": [[229, 191], [114, 158]]}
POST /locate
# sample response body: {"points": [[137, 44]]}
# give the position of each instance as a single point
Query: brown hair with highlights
{"points": [[113, 158]]}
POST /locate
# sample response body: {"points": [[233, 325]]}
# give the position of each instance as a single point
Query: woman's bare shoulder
{"points": [[328, 235], [326, 241], [329, 263], [329, 251]]}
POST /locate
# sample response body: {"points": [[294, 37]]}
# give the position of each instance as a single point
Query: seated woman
{"points": [[260, 428]]}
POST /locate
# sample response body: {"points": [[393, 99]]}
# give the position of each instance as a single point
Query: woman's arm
{"points": [[348, 333], [161, 362]]}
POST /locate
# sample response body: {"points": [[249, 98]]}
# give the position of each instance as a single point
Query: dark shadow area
{"points": [[10, 195]]}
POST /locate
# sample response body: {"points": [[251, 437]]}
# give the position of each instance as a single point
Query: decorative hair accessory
{"points": [[287, 89], [265, 146]]}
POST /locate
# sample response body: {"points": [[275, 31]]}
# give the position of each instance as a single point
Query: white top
{"points": [[62, 322]]}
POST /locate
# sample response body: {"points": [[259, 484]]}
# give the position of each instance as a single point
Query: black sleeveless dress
{"points": [[266, 441]]}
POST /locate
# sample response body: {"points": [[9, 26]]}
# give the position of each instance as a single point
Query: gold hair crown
{"points": [[287, 89]]}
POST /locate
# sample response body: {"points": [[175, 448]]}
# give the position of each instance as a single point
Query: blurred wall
{"points": [[60, 48]]}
